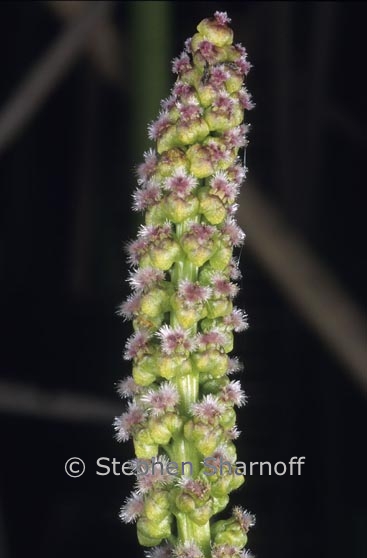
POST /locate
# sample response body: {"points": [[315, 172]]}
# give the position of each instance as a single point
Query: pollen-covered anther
{"points": [[144, 278], [189, 111], [159, 126], [136, 344], [147, 196], [213, 338], [155, 233], [187, 550], [234, 270], [222, 18], [234, 365], [124, 424], [130, 307], [159, 401], [181, 64], [180, 183], [132, 508], [151, 473], [242, 65], [193, 293], [208, 51], [237, 320], [208, 409], [222, 287], [223, 187], [233, 232], [127, 387], [218, 76], [245, 99], [201, 233], [182, 90], [237, 173], [146, 170], [236, 137], [175, 340], [233, 433], [244, 518], [136, 249], [232, 393], [195, 487], [223, 104]]}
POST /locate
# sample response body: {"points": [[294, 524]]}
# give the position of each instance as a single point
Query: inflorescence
{"points": [[184, 278]]}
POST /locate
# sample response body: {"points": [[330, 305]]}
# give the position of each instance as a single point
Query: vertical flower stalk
{"points": [[181, 395]]}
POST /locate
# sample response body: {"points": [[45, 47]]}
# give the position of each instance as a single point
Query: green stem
{"points": [[181, 450]]}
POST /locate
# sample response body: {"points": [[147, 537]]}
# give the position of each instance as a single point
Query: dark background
{"points": [[66, 183]]}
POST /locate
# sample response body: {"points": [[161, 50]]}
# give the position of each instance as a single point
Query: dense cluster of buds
{"points": [[180, 397]]}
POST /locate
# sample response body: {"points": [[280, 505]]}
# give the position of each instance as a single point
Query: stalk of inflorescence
{"points": [[181, 395]]}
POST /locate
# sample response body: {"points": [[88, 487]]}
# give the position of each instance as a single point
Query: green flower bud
{"points": [[155, 302], [156, 215], [206, 94], [192, 132], [144, 445], [234, 82], [201, 515], [221, 258], [158, 431], [213, 385], [213, 209], [170, 161], [168, 139], [210, 361], [200, 161], [222, 484], [153, 529], [164, 255], [173, 366], [225, 533], [237, 481], [185, 503], [219, 308], [157, 505], [144, 371], [179, 210], [219, 35]]}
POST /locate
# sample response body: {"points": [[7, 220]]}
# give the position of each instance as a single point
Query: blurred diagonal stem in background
{"points": [[47, 72], [306, 282]]}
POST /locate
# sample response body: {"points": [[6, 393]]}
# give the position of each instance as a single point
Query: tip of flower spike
{"points": [[132, 508], [222, 18]]}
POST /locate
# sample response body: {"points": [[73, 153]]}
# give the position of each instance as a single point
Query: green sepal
{"points": [[202, 514], [168, 139], [200, 161], [213, 209], [155, 303], [153, 529], [157, 505]]}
